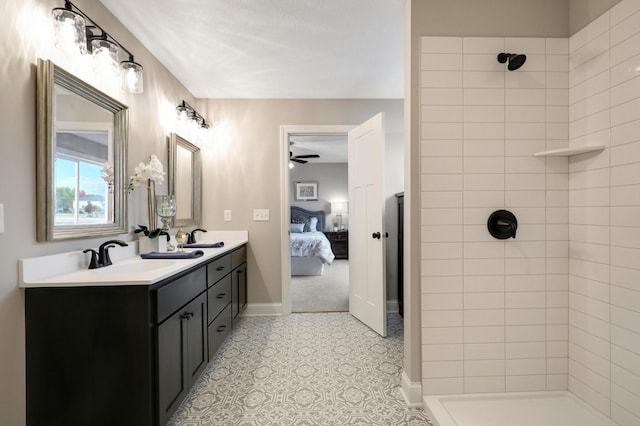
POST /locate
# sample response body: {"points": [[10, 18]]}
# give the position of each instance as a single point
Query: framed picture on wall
{"points": [[306, 191]]}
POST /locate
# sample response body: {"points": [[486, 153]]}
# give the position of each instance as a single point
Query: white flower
{"points": [[153, 171], [107, 174]]}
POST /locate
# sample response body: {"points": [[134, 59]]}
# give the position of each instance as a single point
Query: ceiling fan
{"points": [[299, 158]]}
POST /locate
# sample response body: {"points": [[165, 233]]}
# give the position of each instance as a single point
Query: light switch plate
{"points": [[1, 218], [260, 215], [227, 215]]}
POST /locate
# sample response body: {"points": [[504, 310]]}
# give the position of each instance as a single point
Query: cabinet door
{"points": [[196, 324], [172, 381], [182, 354], [239, 290]]}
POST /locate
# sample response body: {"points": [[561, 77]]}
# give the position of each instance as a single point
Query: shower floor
{"points": [[508, 409]]}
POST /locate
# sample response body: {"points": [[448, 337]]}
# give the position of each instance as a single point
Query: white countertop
{"points": [[71, 269]]}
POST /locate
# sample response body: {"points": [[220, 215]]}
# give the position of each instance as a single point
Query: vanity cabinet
{"points": [[239, 281], [125, 354]]}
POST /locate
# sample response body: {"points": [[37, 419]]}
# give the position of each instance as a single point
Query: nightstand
{"points": [[339, 243]]}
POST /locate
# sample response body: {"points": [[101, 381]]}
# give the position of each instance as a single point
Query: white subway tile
{"points": [[483, 147], [589, 377], [555, 316], [441, 182], [484, 351], [441, 216], [441, 369], [625, 49], [625, 29], [523, 350], [595, 271], [524, 130], [441, 61], [625, 133], [441, 130], [440, 199], [525, 44], [483, 45], [525, 182], [557, 349], [590, 288], [441, 79], [625, 277], [488, 334], [625, 359], [627, 400], [483, 198], [557, 80], [627, 174], [594, 307], [441, 284], [484, 114], [557, 46], [625, 70], [524, 333], [440, 318], [484, 130], [484, 96], [483, 165], [525, 383], [484, 250], [590, 105], [557, 382], [557, 332], [483, 182], [597, 84], [590, 395], [625, 298], [625, 236], [440, 96], [484, 283], [484, 384], [590, 52], [589, 32], [589, 215], [625, 92], [589, 324], [557, 97], [524, 165], [441, 165], [441, 335], [525, 266], [526, 80], [442, 352], [484, 266], [524, 147], [557, 198], [524, 283], [442, 302], [441, 148], [525, 300], [515, 199], [441, 250], [525, 316], [441, 268], [521, 367], [625, 154], [588, 341], [625, 216], [527, 249], [441, 114], [484, 367], [557, 63], [483, 317], [557, 265], [557, 114], [527, 97], [625, 318], [483, 79], [484, 301], [623, 10], [477, 216], [525, 114], [443, 386], [482, 62]]}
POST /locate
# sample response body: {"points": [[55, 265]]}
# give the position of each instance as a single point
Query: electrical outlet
{"points": [[227, 215], [261, 215]]}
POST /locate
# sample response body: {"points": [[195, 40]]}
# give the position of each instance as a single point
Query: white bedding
{"points": [[311, 244]]}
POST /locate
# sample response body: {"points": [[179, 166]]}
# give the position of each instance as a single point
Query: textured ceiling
{"points": [[274, 48]]}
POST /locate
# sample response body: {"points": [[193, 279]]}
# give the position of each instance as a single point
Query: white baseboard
{"points": [[262, 309], [412, 392], [392, 306]]}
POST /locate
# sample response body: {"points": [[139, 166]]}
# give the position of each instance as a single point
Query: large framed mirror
{"points": [[185, 180], [79, 130]]}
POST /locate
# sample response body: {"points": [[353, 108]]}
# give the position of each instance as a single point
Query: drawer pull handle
{"points": [[220, 268], [221, 295], [221, 328], [186, 315]]}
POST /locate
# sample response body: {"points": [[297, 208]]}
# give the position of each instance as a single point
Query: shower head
{"points": [[515, 60]]}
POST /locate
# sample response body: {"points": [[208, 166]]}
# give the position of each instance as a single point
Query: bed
{"points": [[310, 250]]}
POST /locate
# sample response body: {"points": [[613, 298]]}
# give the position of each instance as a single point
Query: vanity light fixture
{"points": [[74, 31], [188, 113]]}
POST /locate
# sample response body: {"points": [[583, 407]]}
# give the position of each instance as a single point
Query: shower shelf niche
{"points": [[568, 152]]}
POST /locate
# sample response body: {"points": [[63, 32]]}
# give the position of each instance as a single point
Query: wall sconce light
{"points": [[188, 113], [338, 208], [74, 31]]}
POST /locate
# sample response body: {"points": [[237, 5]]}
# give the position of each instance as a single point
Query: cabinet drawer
{"points": [[178, 293], [343, 236], [218, 269], [218, 297], [238, 256], [218, 330]]}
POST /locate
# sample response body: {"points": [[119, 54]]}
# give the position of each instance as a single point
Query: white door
{"points": [[367, 295]]}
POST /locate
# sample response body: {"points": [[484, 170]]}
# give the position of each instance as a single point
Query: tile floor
{"points": [[302, 369]]}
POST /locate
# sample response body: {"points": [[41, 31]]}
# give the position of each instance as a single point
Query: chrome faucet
{"points": [[101, 257], [191, 236]]}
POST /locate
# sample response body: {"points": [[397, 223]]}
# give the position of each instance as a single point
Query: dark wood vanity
{"points": [[127, 354]]}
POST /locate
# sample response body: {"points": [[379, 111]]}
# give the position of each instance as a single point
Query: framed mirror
{"points": [[79, 130], [185, 180]]}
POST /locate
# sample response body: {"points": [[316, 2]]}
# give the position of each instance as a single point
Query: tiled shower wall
{"points": [[604, 213], [494, 312]]}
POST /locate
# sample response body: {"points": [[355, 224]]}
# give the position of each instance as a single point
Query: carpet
{"points": [[324, 293]]}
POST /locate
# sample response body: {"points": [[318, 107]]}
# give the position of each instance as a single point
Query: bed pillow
{"points": [[296, 228], [312, 225]]}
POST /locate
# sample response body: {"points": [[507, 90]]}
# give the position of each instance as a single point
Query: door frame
{"points": [[285, 191]]}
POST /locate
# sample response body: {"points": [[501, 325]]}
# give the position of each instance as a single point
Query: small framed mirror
{"points": [[80, 130], [185, 180]]}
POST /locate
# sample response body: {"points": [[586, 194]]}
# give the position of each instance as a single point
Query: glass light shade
{"points": [[182, 113], [70, 31], [166, 205], [105, 57], [132, 79]]}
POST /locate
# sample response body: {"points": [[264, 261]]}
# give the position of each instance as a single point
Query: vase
{"points": [[147, 245]]}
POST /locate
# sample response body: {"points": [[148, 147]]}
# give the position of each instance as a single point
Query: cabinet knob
{"points": [[186, 315], [221, 295], [221, 328]]}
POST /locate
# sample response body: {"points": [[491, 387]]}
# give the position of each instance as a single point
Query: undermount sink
{"points": [[130, 268]]}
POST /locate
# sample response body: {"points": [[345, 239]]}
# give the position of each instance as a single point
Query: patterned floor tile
{"points": [[302, 369]]}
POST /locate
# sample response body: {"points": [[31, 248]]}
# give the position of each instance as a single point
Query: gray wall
{"points": [[582, 12]]}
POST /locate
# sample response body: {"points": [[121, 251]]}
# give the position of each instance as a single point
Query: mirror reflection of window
{"points": [[81, 195], [183, 185]]}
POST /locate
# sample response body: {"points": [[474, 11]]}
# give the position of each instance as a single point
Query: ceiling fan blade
{"points": [[299, 161], [307, 156]]}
